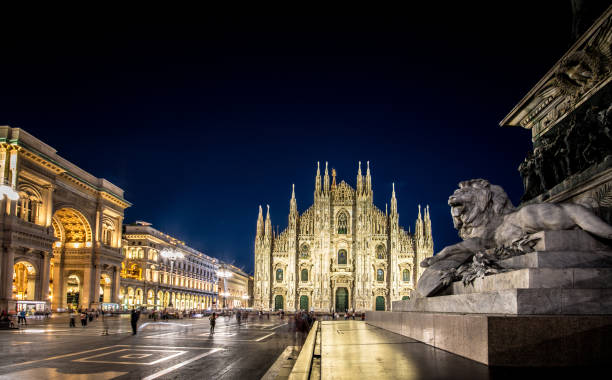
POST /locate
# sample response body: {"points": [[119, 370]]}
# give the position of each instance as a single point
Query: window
{"points": [[342, 223], [304, 275], [304, 252], [380, 275], [380, 252], [279, 275], [342, 257], [406, 275]]}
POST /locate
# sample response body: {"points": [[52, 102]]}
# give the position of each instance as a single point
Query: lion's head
{"points": [[475, 204]]}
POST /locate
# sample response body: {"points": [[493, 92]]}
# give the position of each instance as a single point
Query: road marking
{"points": [[88, 359], [179, 365], [59, 356], [274, 328], [264, 337]]}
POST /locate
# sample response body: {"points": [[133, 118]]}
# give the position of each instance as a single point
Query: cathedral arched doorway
{"points": [[380, 303], [341, 300], [278, 302], [304, 303]]}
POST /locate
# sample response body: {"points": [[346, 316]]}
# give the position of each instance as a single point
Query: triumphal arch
{"points": [[60, 229]]}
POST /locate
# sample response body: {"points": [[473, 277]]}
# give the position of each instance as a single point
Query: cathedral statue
{"points": [[341, 254]]}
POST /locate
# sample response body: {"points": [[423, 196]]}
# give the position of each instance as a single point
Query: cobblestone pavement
{"points": [[177, 349]]}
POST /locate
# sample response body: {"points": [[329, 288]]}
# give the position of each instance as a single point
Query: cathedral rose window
{"points": [[342, 257]]}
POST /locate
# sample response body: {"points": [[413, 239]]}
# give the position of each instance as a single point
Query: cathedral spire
{"points": [[318, 180], [393, 201], [268, 231], [368, 179], [260, 223], [292, 204], [326, 180], [418, 228], [359, 180]]}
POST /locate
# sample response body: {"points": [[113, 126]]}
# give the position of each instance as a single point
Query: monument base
{"points": [[504, 340]]}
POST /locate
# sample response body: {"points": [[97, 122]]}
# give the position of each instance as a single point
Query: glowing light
{"points": [[107, 280], [58, 244], [10, 193], [88, 244], [245, 297], [171, 254], [224, 274]]}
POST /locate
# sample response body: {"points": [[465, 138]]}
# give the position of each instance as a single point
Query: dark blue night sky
{"points": [[200, 122]]}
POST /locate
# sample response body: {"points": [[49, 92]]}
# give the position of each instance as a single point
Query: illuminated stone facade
{"points": [[61, 238], [147, 279], [233, 289], [342, 253]]}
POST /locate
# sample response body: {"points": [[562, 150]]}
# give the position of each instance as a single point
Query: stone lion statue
{"points": [[485, 218]]}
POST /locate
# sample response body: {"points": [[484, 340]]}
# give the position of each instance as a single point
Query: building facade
{"points": [[60, 229], [150, 280], [342, 253], [233, 287]]}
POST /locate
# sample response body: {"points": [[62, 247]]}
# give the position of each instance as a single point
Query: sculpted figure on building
{"points": [[342, 253]]}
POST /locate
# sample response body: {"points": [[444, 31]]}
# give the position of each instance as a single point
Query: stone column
{"points": [[95, 283], [6, 280], [116, 285], [44, 277], [59, 296], [87, 292]]}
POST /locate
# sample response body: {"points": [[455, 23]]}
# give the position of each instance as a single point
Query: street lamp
{"points": [[172, 255]]}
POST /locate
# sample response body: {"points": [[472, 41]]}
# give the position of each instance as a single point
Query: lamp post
{"points": [[172, 255], [224, 274]]}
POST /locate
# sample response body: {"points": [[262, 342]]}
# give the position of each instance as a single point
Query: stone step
{"points": [[556, 301], [567, 240], [560, 259], [535, 278]]}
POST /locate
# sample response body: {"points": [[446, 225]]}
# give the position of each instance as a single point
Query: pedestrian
{"points": [[104, 324], [72, 318], [135, 315], [238, 317], [83, 319], [363, 316], [213, 321]]}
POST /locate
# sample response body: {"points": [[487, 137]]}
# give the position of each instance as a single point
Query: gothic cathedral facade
{"points": [[342, 253]]}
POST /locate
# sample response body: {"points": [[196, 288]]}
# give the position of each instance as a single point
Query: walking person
{"points": [[104, 324], [238, 317], [83, 319], [134, 320], [72, 318], [213, 321]]}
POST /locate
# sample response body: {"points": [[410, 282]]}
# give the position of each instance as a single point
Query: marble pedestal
{"points": [[552, 308]]}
